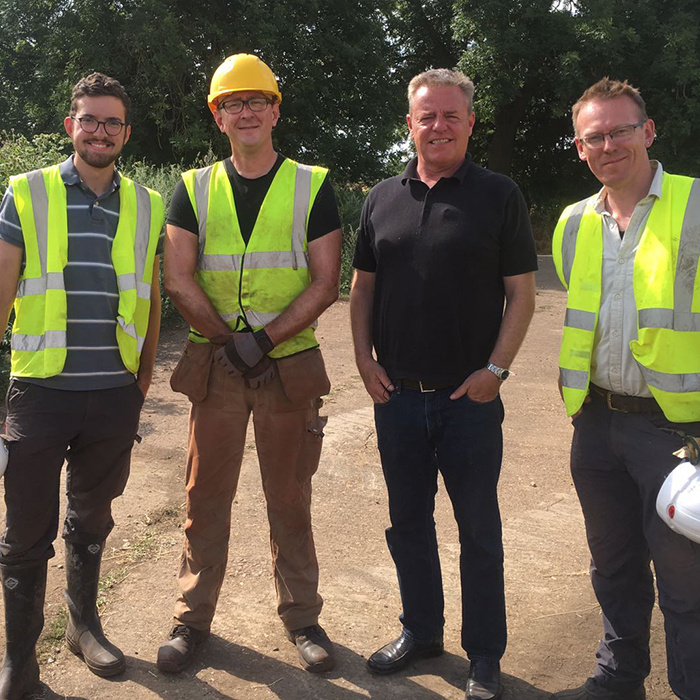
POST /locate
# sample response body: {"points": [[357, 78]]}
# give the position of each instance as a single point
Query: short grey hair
{"points": [[438, 77]]}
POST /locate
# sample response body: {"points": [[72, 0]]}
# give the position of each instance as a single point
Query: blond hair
{"points": [[607, 89], [438, 77]]}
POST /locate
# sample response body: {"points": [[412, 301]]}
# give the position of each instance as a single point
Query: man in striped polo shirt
{"points": [[79, 256]]}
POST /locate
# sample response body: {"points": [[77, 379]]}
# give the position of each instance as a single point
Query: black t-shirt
{"points": [[248, 195], [440, 256]]}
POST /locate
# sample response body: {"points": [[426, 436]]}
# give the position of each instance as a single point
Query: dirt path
{"points": [[554, 622]]}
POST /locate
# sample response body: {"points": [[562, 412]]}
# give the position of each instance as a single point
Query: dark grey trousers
{"points": [[618, 463], [94, 432]]}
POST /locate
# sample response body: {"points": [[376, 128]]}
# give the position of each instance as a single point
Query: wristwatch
{"points": [[501, 372]]}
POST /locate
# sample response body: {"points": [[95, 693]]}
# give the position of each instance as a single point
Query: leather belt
{"points": [[625, 404], [423, 387]]}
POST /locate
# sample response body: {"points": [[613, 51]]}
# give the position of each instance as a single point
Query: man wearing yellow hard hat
{"points": [[252, 260]]}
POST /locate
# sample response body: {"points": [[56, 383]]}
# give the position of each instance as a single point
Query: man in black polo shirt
{"points": [[440, 248]]}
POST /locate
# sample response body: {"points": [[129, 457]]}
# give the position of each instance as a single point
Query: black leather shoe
{"points": [[314, 647], [484, 681], [590, 690], [397, 654], [178, 653]]}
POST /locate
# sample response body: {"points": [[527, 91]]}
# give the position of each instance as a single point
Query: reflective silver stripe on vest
{"points": [[569, 239], [681, 318], [673, 383], [130, 330], [256, 318], [128, 281], [40, 207], [302, 199], [254, 260], [220, 263], [202, 179], [573, 378], [262, 260], [142, 237], [670, 319], [35, 343], [583, 320], [39, 285], [257, 260]]}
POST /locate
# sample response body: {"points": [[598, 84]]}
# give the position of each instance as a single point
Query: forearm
{"points": [[324, 272], [361, 302], [10, 264], [520, 307], [195, 307], [150, 344], [303, 311]]}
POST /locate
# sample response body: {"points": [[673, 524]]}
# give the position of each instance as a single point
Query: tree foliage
{"points": [[333, 59], [343, 70]]}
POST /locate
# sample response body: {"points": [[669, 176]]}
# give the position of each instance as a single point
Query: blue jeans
{"points": [[618, 463], [419, 434]]}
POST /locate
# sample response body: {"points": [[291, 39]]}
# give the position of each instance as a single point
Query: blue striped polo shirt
{"points": [[93, 360]]}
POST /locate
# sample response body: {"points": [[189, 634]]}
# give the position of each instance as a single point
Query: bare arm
{"points": [[150, 344], [324, 270], [10, 265], [181, 251], [375, 378], [483, 385]]}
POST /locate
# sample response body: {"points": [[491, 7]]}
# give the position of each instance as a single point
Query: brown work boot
{"points": [[179, 652], [314, 647]]}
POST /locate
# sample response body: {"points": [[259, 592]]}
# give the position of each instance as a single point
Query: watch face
{"points": [[505, 373]]}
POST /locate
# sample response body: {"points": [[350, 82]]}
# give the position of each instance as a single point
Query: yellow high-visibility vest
{"points": [[39, 331], [666, 292], [250, 285]]}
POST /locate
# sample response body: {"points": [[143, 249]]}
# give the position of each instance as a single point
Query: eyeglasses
{"points": [[112, 127], [255, 104], [621, 134]]}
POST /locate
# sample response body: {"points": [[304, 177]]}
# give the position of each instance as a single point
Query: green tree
{"points": [[333, 59]]}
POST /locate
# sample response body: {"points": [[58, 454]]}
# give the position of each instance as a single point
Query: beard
{"points": [[98, 160]]}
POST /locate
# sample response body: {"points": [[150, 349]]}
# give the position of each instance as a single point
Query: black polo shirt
{"points": [[440, 256]]}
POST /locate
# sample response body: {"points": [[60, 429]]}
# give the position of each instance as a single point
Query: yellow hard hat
{"points": [[240, 72]]}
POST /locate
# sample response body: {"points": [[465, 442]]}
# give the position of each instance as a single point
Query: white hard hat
{"points": [[678, 502], [4, 456]]}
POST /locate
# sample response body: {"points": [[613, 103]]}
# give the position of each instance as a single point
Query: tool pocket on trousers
{"points": [[312, 444], [303, 376], [191, 376]]}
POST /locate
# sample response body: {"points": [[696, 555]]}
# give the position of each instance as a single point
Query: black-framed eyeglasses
{"points": [[622, 133], [255, 104], [112, 127]]}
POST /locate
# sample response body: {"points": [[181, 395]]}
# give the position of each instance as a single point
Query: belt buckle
{"points": [[424, 391], [608, 401]]}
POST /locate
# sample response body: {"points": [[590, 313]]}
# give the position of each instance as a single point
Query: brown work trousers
{"points": [[288, 438]]}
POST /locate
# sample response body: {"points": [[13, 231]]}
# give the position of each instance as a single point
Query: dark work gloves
{"points": [[245, 354], [263, 373]]}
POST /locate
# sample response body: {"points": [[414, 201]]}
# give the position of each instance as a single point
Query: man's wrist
{"points": [[501, 372], [263, 341]]}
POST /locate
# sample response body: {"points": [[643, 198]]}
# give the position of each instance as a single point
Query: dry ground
{"points": [[553, 619]]}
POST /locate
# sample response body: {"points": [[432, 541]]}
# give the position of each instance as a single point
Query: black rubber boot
{"points": [[24, 589], [84, 635]]}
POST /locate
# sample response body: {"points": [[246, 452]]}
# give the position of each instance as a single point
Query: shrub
{"points": [[350, 200], [19, 154]]}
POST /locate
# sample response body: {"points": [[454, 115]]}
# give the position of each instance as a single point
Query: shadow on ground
{"points": [[249, 671]]}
